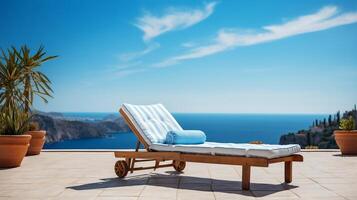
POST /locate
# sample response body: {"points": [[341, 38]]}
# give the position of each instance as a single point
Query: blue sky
{"points": [[192, 56]]}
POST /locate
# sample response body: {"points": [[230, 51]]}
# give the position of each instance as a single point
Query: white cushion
{"points": [[248, 150], [152, 121], [273, 151], [205, 148]]}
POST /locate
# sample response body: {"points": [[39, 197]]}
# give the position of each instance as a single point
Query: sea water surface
{"points": [[238, 128]]}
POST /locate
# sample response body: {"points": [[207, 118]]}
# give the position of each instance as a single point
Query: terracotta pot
{"points": [[36, 143], [347, 141], [13, 148]]}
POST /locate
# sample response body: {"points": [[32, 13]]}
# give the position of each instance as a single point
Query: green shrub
{"points": [[347, 124], [34, 126]]}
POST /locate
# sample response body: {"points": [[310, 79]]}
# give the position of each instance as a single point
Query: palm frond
{"points": [[20, 82]]}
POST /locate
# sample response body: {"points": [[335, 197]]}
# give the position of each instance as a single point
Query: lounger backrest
{"points": [[152, 121]]}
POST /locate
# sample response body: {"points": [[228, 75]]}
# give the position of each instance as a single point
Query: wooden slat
{"points": [[230, 160], [204, 158], [149, 155], [145, 160], [295, 157], [201, 158], [152, 167]]}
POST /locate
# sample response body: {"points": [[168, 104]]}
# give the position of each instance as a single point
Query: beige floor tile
{"points": [[195, 194], [193, 179], [314, 192], [159, 192], [233, 195], [196, 186], [80, 193], [116, 198], [274, 194], [125, 191], [156, 198]]}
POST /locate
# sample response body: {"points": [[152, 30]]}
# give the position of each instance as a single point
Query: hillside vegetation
{"points": [[320, 133]]}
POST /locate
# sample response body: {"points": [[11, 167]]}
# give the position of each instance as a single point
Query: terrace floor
{"points": [[90, 175]]}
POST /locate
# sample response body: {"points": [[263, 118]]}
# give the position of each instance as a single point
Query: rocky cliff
{"points": [[59, 129]]}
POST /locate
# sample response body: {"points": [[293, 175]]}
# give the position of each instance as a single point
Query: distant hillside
{"points": [[320, 133], [59, 129]]}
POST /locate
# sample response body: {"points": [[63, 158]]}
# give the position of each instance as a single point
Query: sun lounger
{"points": [[150, 124]]}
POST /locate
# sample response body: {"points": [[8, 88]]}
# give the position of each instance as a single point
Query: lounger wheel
{"points": [[179, 166], [121, 168]]}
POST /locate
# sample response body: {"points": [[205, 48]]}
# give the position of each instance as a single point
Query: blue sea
{"points": [[237, 128]]}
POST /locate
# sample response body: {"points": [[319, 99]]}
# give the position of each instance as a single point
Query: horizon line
{"points": [[226, 113]]}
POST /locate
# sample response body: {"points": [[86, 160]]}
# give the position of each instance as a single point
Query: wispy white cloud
{"points": [[134, 55], [127, 65], [123, 69], [153, 26], [188, 44], [126, 72], [325, 18], [173, 19]]}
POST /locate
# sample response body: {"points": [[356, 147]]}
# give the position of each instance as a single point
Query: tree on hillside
{"points": [[338, 116], [355, 111], [324, 123], [308, 138]]}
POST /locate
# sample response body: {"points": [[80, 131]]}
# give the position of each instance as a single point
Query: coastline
{"points": [[237, 128]]}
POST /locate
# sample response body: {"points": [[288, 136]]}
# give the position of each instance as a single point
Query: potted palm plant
{"points": [[19, 82], [346, 138], [13, 121], [34, 83]]}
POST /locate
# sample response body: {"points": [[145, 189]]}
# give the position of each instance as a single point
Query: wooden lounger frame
{"points": [[122, 167]]}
